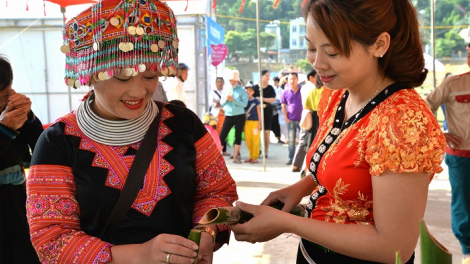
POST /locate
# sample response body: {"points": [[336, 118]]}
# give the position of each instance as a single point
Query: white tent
{"points": [[428, 63]]}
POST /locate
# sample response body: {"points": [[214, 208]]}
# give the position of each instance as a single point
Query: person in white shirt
{"points": [[216, 109], [215, 95], [276, 128], [178, 92]]}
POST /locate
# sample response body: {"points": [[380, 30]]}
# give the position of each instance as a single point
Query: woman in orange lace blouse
{"points": [[377, 147]]}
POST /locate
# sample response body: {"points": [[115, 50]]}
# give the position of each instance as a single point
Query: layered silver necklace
{"points": [[114, 132]]}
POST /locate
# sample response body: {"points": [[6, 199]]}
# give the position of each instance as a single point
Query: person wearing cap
{"points": [[252, 125], [178, 92], [234, 101], [85, 160], [454, 93], [19, 132]]}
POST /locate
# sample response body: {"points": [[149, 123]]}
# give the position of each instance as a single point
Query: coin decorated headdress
{"points": [[120, 37]]}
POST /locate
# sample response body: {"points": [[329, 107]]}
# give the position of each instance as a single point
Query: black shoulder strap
{"points": [[217, 93], [137, 172]]}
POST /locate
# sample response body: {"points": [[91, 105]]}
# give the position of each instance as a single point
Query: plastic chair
{"points": [[432, 252]]}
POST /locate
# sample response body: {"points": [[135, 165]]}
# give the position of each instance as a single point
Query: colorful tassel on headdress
{"points": [[241, 7], [44, 5], [187, 3], [98, 47], [304, 2], [275, 3], [27, 7]]}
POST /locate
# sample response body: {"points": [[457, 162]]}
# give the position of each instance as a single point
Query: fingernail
{"points": [[195, 247], [192, 261], [194, 254], [237, 203]]}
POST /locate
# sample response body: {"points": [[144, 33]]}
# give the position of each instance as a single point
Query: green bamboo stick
{"points": [[432, 252], [398, 257], [234, 215], [195, 235]]}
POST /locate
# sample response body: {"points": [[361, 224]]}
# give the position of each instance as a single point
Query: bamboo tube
{"points": [[432, 252], [398, 257], [195, 235], [233, 215]]}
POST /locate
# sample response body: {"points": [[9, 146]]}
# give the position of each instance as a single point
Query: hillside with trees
{"points": [[451, 17]]}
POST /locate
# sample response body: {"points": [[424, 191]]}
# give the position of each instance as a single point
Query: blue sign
{"points": [[215, 33]]}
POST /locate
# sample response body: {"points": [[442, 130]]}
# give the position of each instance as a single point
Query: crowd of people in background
{"points": [[282, 108]]}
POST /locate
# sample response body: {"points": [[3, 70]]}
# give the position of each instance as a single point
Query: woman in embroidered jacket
{"points": [[377, 147], [81, 162]]}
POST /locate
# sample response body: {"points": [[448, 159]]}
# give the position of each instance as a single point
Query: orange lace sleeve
{"points": [[407, 139]]}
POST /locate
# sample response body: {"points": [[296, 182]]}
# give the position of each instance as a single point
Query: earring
{"points": [[380, 54]]}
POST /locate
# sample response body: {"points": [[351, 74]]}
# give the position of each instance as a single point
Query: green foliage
{"points": [[450, 13], [234, 42], [244, 23], [444, 47], [245, 43], [267, 39], [448, 16], [304, 65]]}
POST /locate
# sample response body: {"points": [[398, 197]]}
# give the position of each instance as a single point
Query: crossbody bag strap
{"points": [[137, 172]]}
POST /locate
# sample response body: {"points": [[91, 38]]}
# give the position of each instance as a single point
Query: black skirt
{"points": [[268, 116], [319, 255], [15, 243]]}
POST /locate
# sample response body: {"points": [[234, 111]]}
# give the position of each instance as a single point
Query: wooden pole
{"points": [[263, 145]]}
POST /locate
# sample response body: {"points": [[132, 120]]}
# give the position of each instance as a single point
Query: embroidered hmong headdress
{"points": [[120, 37]]}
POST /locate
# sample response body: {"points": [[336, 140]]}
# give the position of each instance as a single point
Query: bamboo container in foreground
{"points": [[195, 235], [432, 252], [233, 215]]}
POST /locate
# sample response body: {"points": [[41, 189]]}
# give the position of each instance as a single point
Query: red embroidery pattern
{"points": [[54, 218], [118, 165], [215, 186]]}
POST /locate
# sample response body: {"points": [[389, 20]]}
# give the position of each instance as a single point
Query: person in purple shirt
{"points": [[291, 101]]}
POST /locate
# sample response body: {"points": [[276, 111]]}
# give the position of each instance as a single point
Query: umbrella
{"points": [[65, 3]]}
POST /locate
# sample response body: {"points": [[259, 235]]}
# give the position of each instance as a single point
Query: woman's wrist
{"points": [[211, 231]]}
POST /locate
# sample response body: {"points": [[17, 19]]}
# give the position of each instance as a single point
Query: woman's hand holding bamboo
{"points": [[176, 248], [292, 195], [266, 224]]}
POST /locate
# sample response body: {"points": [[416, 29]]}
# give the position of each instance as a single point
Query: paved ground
{"points": [[254, 184]]}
